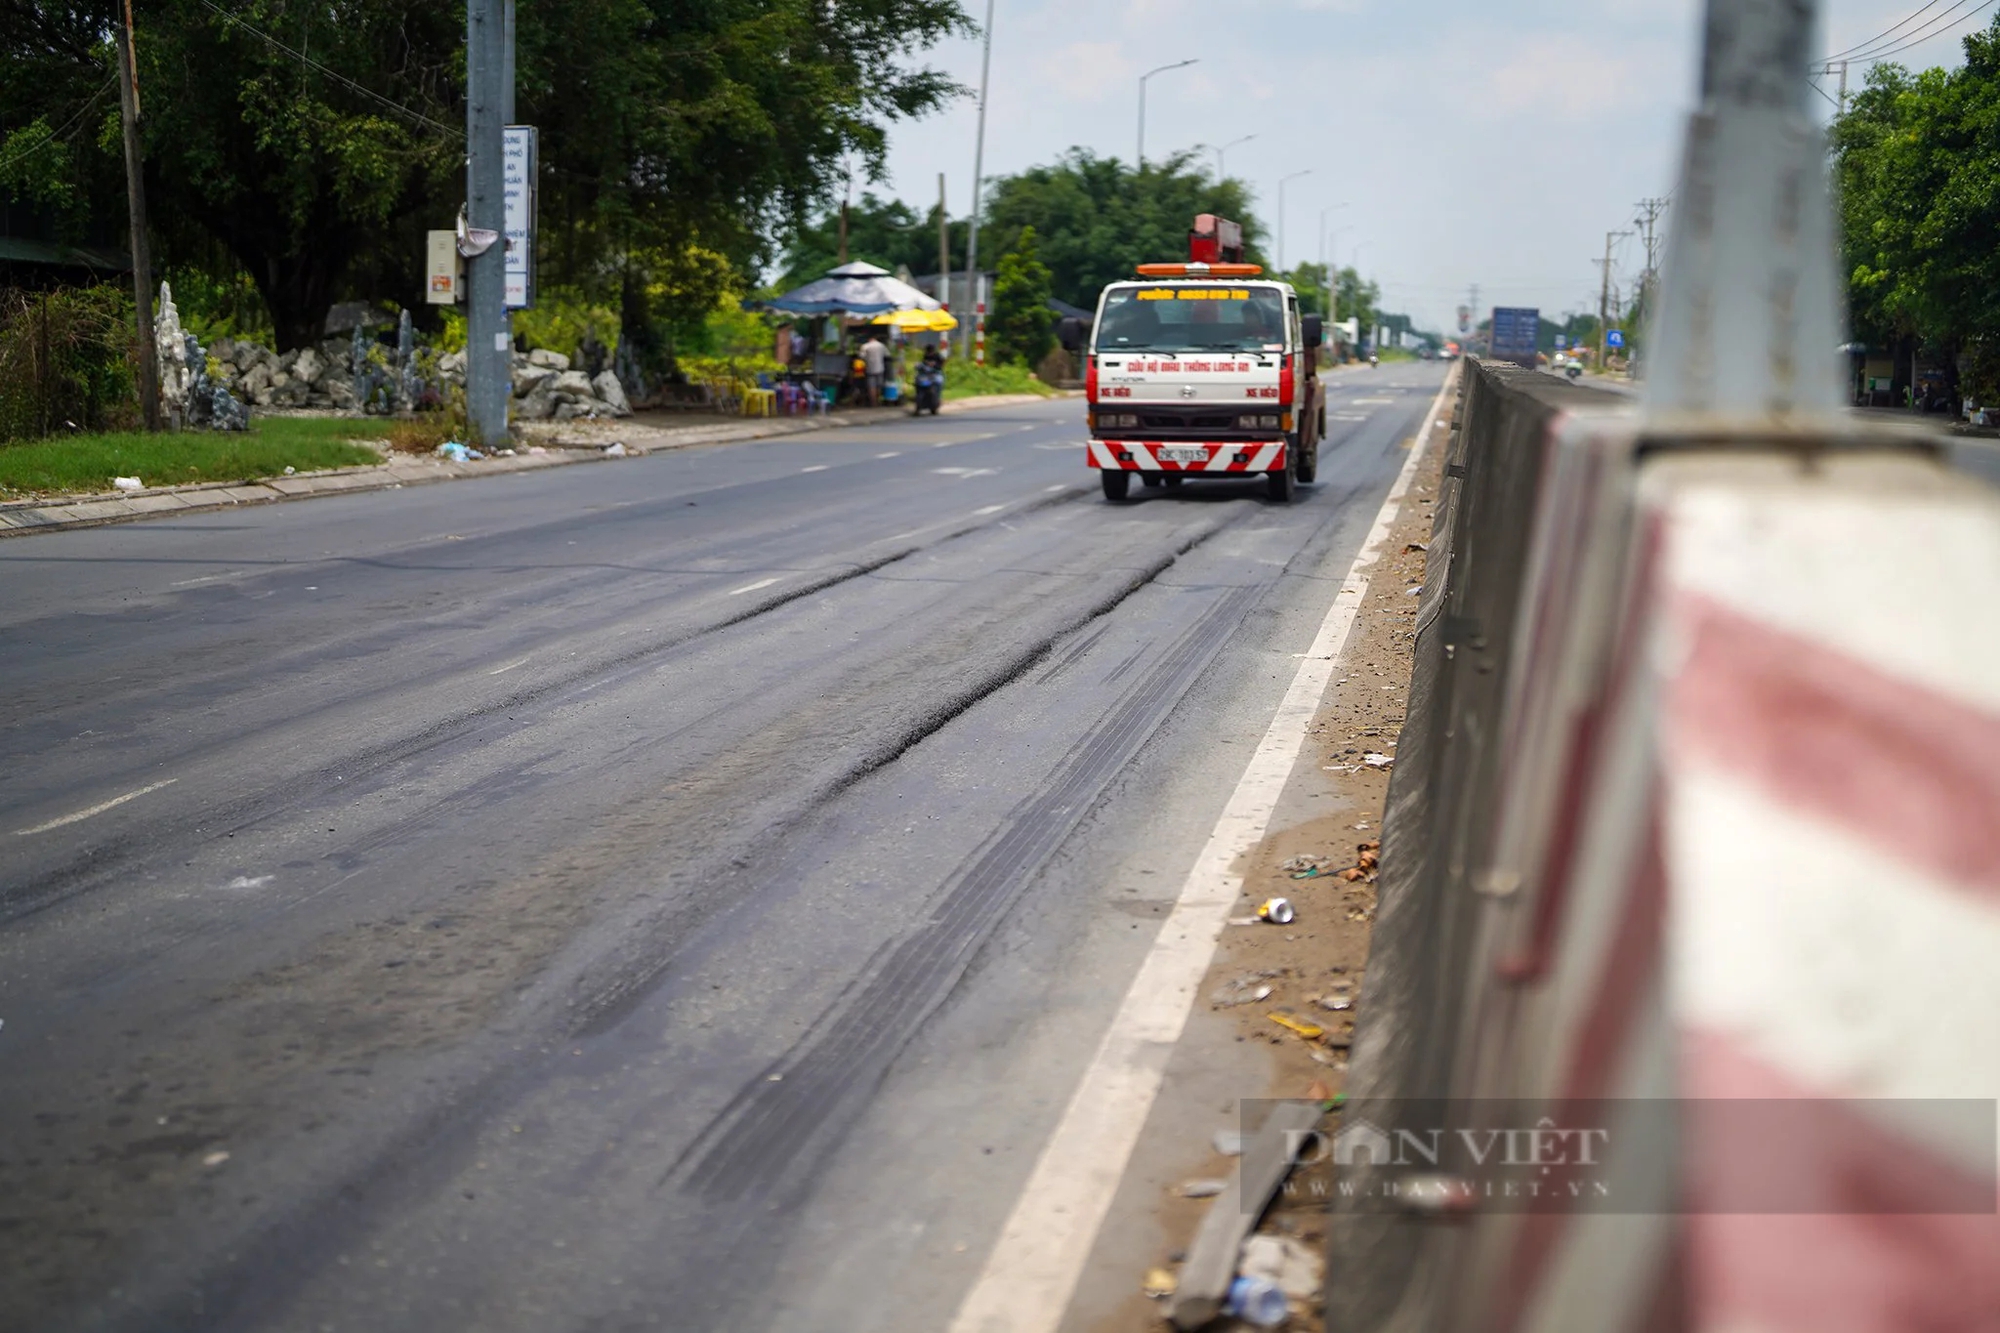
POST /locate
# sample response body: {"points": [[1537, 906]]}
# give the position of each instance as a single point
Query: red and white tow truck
{"points": [[1202, 369]]}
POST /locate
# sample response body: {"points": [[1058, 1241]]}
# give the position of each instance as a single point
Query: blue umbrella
{"points": [[857, 289]]}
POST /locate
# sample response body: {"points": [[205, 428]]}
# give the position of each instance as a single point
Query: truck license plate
{"points": [[1169, 454]]}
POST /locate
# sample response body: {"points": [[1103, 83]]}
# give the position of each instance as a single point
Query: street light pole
{"points": [[1355, 264], [1221, 159], [1142, 102], [1326, 261], [1281, 214], [976, 307]]}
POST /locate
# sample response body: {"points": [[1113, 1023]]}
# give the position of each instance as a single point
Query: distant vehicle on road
{"points": [[1202, 369], [1516, 332]]}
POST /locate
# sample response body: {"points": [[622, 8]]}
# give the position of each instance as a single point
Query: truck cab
{"points": [[1202, 369]]}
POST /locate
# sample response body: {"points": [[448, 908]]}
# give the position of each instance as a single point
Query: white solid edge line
{"points": [[97, 809], [1033, 1270]]}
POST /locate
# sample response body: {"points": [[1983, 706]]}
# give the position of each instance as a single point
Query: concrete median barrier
{"points": [[1692, 767]]}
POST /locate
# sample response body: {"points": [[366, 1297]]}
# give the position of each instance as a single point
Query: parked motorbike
{"points": [[929, 391]]}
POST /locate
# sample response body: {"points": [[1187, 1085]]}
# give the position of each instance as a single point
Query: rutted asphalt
{"points": [[540, 887]]}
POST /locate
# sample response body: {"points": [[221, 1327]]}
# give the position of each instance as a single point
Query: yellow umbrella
{"points": [[918, 321]]}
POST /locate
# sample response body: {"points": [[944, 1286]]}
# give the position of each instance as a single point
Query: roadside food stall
{"points": [[853, 299], [910, 330]]}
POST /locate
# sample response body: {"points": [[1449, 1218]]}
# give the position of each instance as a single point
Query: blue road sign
{"points": [[1615, 338], [1562, 342]]}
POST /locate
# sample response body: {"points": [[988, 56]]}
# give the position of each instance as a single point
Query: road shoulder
{"points": [[575, 442]]}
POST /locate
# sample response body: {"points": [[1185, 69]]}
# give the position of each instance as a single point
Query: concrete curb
{"points": [[28, 517]]}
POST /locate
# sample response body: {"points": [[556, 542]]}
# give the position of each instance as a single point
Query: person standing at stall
{"points": [[875, 358]]}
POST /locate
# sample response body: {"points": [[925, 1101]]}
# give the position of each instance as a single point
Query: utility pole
{"points": [[944, 250], [845, 199], [1837, 67], [1611, 238], [974, 306], [1648, 219], [488, 343], [1281, 213], [135, 199]]}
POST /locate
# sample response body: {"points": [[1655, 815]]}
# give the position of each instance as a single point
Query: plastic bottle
{"points": [[1257, 1300]]}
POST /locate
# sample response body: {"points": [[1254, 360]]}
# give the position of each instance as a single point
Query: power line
{"points": [[56, 135], [1935, 30], [1849, 52], [1883, 51], [335, 75]]}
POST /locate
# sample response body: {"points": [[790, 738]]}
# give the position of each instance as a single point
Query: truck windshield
{"points": [[1209, 317]]}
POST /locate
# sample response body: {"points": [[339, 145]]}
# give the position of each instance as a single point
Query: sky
{"points": [[1448, 143]]}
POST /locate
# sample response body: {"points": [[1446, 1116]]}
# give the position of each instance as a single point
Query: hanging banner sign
{"points": [[519, 162]]}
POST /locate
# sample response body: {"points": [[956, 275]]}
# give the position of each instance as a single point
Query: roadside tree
{"points": [[1022, 323], [310, 154], [1095, 218]]}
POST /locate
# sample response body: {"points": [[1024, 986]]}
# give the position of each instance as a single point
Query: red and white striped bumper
{"points": [[1144, 456]]}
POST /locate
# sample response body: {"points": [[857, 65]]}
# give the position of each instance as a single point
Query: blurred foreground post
{"points": [[1749, 320]]}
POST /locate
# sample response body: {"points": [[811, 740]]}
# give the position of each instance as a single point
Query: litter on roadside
{"points": [[1257, 1301], [1228, 1142], [1310, 1031], [1202, 1189], [1159, 1284], [1244, 990], [1288, 1264], [615, 451], [1298, 865], [1277, 911], [128, 484], [1208, 1282], [1375, 760]]}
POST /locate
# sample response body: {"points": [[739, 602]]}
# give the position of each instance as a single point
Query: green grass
{"points": [[72, 463], [964, 380]]}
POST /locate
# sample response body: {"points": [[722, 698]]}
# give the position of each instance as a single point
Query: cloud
{"points": [[1087, 72], [1562, 76]]}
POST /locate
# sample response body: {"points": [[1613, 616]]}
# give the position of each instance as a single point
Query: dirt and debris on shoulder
{"points": [[1297, 987]]}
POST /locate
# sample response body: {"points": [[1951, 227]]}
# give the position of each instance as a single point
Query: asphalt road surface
{"points": [[675, 893]]}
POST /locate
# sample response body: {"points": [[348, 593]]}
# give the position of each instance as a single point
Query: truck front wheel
{"points": [[1116, 483], [1280, 483]]}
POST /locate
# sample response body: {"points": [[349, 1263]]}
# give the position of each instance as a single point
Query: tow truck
{"points": [[1202, 369]]}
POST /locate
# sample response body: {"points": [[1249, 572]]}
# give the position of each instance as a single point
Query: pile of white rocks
{"points": [[321, 376], [546, 389]]}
